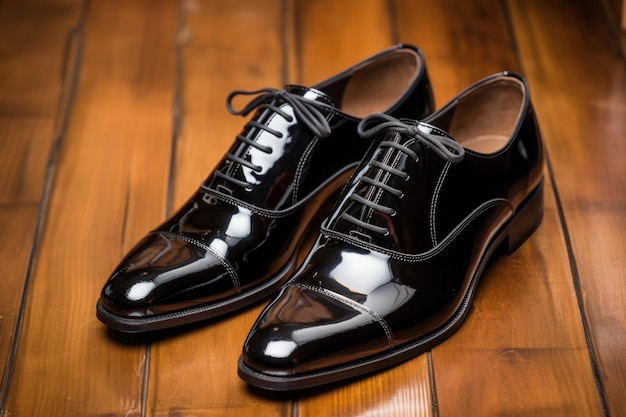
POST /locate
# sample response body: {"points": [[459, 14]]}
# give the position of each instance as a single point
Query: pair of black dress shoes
{"points": [[421, 201]]}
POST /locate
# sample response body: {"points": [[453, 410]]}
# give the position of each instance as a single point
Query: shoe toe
{"points": [[308, 331], [163, 274]]}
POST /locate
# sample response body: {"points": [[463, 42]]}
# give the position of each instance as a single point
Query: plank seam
{"points": [[393, 21], [433, 385], [595, 367], [180, 41], [71, 72], [566, 236], [287, 12], [615, 32]]}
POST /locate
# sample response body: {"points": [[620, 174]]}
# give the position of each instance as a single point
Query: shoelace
{"points": [[377, 123], [307, 111]]}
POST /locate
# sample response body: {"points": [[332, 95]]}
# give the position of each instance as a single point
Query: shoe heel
{"points": [[526, 220]]}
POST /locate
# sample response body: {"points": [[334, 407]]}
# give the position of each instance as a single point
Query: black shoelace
{"points": [[375, 124], [307, 111]]}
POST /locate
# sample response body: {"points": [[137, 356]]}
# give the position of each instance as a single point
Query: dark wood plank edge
{"points": [[72, 63], [566, 237]]}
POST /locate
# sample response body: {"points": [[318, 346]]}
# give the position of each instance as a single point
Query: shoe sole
{"points": [[511, 236]]}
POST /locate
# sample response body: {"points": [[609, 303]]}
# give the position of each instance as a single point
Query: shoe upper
{"points": [[242, 228], [395, 259]]}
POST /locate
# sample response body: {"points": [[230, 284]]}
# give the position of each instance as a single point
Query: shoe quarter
{"points": [[463, 190], [327, 157]]}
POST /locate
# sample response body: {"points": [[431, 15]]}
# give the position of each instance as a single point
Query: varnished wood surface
{"points": [[112, 112]]}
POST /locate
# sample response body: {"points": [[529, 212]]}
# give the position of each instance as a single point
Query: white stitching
{"points": [[276, 214], [424, 255], [223, 261], [434, 201], [351, 303], [300, 168]]}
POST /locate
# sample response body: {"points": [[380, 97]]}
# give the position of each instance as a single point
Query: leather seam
{"points": [[300, 168], [274, 214], [431, 252], [433, 204], [231, 271], [351, 303]]}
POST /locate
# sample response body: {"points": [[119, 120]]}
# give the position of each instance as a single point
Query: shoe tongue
{"points": [[310, 93], [433, 130]]}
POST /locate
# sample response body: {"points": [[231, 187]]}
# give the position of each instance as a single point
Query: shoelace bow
{"points": [[307, 111], [374, 124]]}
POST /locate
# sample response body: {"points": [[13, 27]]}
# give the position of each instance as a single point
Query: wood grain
{"points": [[525, 313], [402, 391], [461, 47], [580, 93], [331, 35], [107, 190], [32, 87], [14, 221], [33, 43], [522, 350]]}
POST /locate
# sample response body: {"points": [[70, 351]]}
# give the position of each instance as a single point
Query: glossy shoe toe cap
{"points": [[306, 331], [163, 274]]}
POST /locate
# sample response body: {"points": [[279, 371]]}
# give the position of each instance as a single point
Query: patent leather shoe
{"points": [[236, 239], [396, 264]]}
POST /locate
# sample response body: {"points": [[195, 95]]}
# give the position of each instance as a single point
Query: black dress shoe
{"points": [[236, 240], [396, 264]]}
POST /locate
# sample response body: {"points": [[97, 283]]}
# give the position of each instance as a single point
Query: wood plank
{"points": [[461, 47], [108, 190], [522, 349], [213, 65], [31, 89], [331, 36], [33, 42], [228, 46], [580, 93], [15, 255], [402, 391]]}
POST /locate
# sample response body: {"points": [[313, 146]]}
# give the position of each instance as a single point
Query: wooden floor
{"points": [[112, 113]]}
